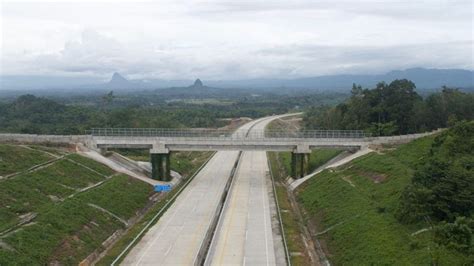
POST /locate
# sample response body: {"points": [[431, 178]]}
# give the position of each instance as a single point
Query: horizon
{"points": [[107, 77]]}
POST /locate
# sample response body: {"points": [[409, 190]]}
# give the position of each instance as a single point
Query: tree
{"points": [[108, 98], [443, 187]]}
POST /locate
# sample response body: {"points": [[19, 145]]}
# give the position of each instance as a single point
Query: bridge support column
{"points": [[299, 164], [160, 166], [103, 151], [160, 162], [293, 164]]}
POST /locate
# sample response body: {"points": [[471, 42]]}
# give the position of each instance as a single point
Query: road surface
{"points": [[178, 235], [244, 235]]}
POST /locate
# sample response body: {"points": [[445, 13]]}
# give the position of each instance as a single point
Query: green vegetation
{"points": [[74, 115], [62, 211], [70, 230], [442, 189], [186, 163], [354, 208], [31, 192], [14, 158], [394, 108], [98, 167]]}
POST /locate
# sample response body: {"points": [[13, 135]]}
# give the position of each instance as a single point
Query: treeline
{"points": [[394, 108], [75, 114], [442, 190], [37, 115]]}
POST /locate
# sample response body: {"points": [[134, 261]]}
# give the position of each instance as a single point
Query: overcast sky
{"points": [[237, 39]]}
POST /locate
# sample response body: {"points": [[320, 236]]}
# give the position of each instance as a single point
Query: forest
{"points": [[395, 108], [441, 192], [73, 115]]}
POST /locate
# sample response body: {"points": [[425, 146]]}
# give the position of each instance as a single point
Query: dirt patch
{"points": [[234, 123], [290, 125], [382, 148], [377, 178], [314, 222]]}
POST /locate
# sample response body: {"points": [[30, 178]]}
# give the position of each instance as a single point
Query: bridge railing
{"points": [[225, 134]]}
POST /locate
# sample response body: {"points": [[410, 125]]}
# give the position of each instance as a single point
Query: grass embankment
{"points": [[353, 207], [44, 216], [280, 164], [14, 158]]}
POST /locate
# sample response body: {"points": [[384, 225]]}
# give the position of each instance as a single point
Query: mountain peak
{"points": [[197, 83], [117, 78]]}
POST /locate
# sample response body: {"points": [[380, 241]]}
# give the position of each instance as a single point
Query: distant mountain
{"points": [[197, 84], [118, 82], [422, 77]]}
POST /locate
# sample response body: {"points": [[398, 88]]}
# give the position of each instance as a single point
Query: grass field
{"points": [[353, 207]]}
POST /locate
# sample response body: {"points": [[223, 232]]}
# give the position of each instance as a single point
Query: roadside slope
{"points": [[62, 211], [352, 209]]}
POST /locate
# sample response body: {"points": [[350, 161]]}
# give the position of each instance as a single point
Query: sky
{"points": [[239, 39]]}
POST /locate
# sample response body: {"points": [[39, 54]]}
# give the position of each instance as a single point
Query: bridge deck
{"points": [[205, 139], [268, 144]]}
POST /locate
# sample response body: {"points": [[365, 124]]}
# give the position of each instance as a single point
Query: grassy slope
{"points": [[15, 158], [66, 228], [358, 202]]}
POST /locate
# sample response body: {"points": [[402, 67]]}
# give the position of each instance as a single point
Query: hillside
{"points": [[353, 211], [57, 207], [62, 210]]}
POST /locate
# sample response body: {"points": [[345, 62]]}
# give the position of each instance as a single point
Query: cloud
{"points": [[235, 39]]}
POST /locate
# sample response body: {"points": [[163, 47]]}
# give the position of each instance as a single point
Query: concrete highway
{"points": [[244, 235], [179, 234]]}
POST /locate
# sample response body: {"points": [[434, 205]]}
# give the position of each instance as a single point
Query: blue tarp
{"points": [[160, 188]]}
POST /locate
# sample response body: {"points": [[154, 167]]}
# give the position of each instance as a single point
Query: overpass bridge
{"points": [[166, 140], [161, 142]]}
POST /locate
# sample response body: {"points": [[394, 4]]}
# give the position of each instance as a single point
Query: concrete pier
{"points": [[160, 166]]}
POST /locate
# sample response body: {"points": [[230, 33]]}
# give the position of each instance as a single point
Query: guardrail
{"points": [[217, 133]]}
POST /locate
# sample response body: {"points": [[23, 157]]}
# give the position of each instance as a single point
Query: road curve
{"points": [[244, 235], [178, 235]]}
